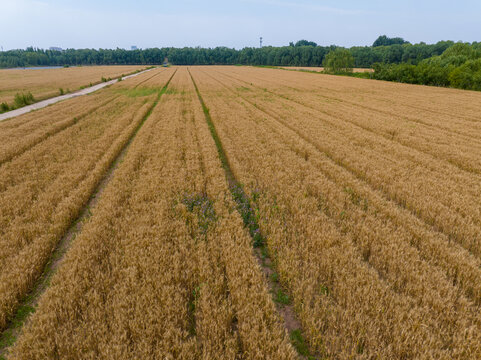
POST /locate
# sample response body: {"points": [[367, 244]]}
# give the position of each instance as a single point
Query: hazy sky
{"points": [[210, 23]]}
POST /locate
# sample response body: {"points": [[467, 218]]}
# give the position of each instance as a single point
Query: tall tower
{"points": [[261, 41]]}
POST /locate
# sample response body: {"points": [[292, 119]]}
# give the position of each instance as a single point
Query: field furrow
{"points": [[434, 143], [434, 247], [27, 131], [43, 190], [436, 191], [243, 213], [320, 227], [163, 268], [417, 100]]}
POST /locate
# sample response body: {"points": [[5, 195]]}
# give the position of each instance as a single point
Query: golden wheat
{"points": [[163, 269], [43, 189], [327, 225], [437, 190], [46, 83], [367, 193]]}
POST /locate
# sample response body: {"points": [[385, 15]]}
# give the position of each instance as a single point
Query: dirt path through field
{"points": [[44, 103]]}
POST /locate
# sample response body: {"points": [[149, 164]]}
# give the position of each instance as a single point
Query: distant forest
{"points": [[445, 63], [303, 53]]}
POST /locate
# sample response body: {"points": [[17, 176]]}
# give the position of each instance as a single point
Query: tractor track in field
{"points": [[376, 133], [44, 103], [63, 127], [243, 201], [407, 118], [29, 303], [149, 78], [386, 112], [338, 162], [66, 125], [430, 223]]}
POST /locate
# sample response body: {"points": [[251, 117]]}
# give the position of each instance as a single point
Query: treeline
{"points": [[288, 55], [442, 64], [303, 53], [459, 66]]}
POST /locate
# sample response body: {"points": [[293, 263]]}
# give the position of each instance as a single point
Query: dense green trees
{"points": [[302, 53], [395, 54], [281, 56], [458, 66], [383, 40], [303, 43], [339, 61]]}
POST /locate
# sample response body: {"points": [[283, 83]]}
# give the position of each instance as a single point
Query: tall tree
{"points": [[339, 61], [305, 43], [383, 40]]}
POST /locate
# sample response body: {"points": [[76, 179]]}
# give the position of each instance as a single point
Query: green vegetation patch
{"points": [[203, 207], [459, 66], [191, 306], [299, 343], [8, 337], [339, 61], [23, 99], [139, 92], [281, 297], [19, 101], [4, 107]]}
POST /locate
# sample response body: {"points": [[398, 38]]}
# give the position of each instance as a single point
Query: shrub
{"points": [[23, 99], [4, 107]]}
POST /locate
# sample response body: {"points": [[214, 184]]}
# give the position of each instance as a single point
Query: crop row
{"points": [[163, 268], [43, 189], [368, 277], [439, 193]]}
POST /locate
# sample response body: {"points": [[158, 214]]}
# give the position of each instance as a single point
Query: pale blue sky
{"points": [[147, 23]]}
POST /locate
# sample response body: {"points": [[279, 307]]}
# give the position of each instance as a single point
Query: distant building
{"points": [[133, 47], [54, 48]]}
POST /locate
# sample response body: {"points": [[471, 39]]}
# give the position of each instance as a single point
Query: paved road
{"points": [[44, 103]]}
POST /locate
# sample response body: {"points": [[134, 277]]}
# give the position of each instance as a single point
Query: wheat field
{"points": [[46, 83], [245, 213]]}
